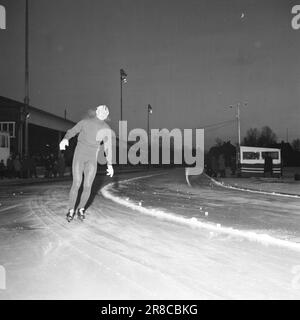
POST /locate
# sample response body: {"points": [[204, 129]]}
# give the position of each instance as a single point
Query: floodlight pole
{"points": [[123, 79], [26, 99]]}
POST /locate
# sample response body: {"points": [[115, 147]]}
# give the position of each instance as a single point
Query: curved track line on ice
{"points": [[193, 222], [278, 194]]}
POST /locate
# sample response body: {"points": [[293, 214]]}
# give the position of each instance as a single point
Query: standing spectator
{"points": [[233, 165], [222, 166], [268, 165], [10, 167], [32, 167], [61, 165], [2, 169], [54, 166], [48, 166], [25, 167], [17, 166], [214, 166]]}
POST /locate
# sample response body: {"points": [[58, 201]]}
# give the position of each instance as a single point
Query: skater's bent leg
{"points": [[90, 170], [77, 171]]}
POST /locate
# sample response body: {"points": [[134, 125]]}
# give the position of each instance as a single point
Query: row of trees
{"points": [[265, 138], [260, 138]]}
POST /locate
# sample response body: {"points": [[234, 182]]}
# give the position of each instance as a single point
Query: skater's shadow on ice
{"points": [[97, 185]]}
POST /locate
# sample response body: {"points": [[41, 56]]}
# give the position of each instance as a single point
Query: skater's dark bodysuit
{"points": [[91, 132]]}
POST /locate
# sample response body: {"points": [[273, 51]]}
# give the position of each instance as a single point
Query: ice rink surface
{"points": [[149, 238]]}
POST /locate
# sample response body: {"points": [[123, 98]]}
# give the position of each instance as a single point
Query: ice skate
{"points": [[81, 214], [70, 215]]}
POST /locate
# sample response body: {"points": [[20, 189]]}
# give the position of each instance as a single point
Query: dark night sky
{"points": [[189, 59]]}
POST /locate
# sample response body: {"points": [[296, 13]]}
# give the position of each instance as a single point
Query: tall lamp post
{"points": [[123, 79], [26, 99], [149, 111], [238, 119]]}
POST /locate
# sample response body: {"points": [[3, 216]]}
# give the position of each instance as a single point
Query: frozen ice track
{"points": [[80, 237], [120, 253]]}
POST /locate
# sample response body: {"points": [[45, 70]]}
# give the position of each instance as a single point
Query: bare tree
{"points": [[252, 138], [296, 144], [267, 137], [260, 138]]}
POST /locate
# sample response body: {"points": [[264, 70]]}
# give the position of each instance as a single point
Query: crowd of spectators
{"points": [[38, 165]]}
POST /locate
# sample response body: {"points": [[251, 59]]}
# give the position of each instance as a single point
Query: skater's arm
{"points": [[70, 134], [75, 130], [108, 153], [106, 135], [108, 150]]}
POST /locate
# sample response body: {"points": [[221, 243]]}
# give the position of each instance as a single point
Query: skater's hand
{"points": [[63, 144], [110, 170]]}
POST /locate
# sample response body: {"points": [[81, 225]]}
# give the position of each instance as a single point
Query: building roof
{"points": [[17, 104]]}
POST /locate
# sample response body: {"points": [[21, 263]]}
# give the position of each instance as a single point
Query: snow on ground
{"points": [[285, 185], [122, 253]]}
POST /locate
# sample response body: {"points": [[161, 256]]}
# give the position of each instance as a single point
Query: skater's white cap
{"points": [[102, 108], [102, 112]]}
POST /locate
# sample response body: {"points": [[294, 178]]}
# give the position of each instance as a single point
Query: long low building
{"points": [[45, 130]]}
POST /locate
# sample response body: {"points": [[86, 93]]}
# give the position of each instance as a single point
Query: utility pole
{"points": [[238, 117], [26, 99], [238, 120]]}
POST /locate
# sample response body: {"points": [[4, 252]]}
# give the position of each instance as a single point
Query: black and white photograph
{"points": [[149, 151]]}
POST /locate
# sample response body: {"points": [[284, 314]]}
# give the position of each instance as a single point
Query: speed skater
{"points": [[91, 132]]}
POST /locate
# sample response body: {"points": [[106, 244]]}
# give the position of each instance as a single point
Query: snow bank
{"points": [[264, 239]]}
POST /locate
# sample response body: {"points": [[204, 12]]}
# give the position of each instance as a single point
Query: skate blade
{"points": [[81, 218], [69, 218]]}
